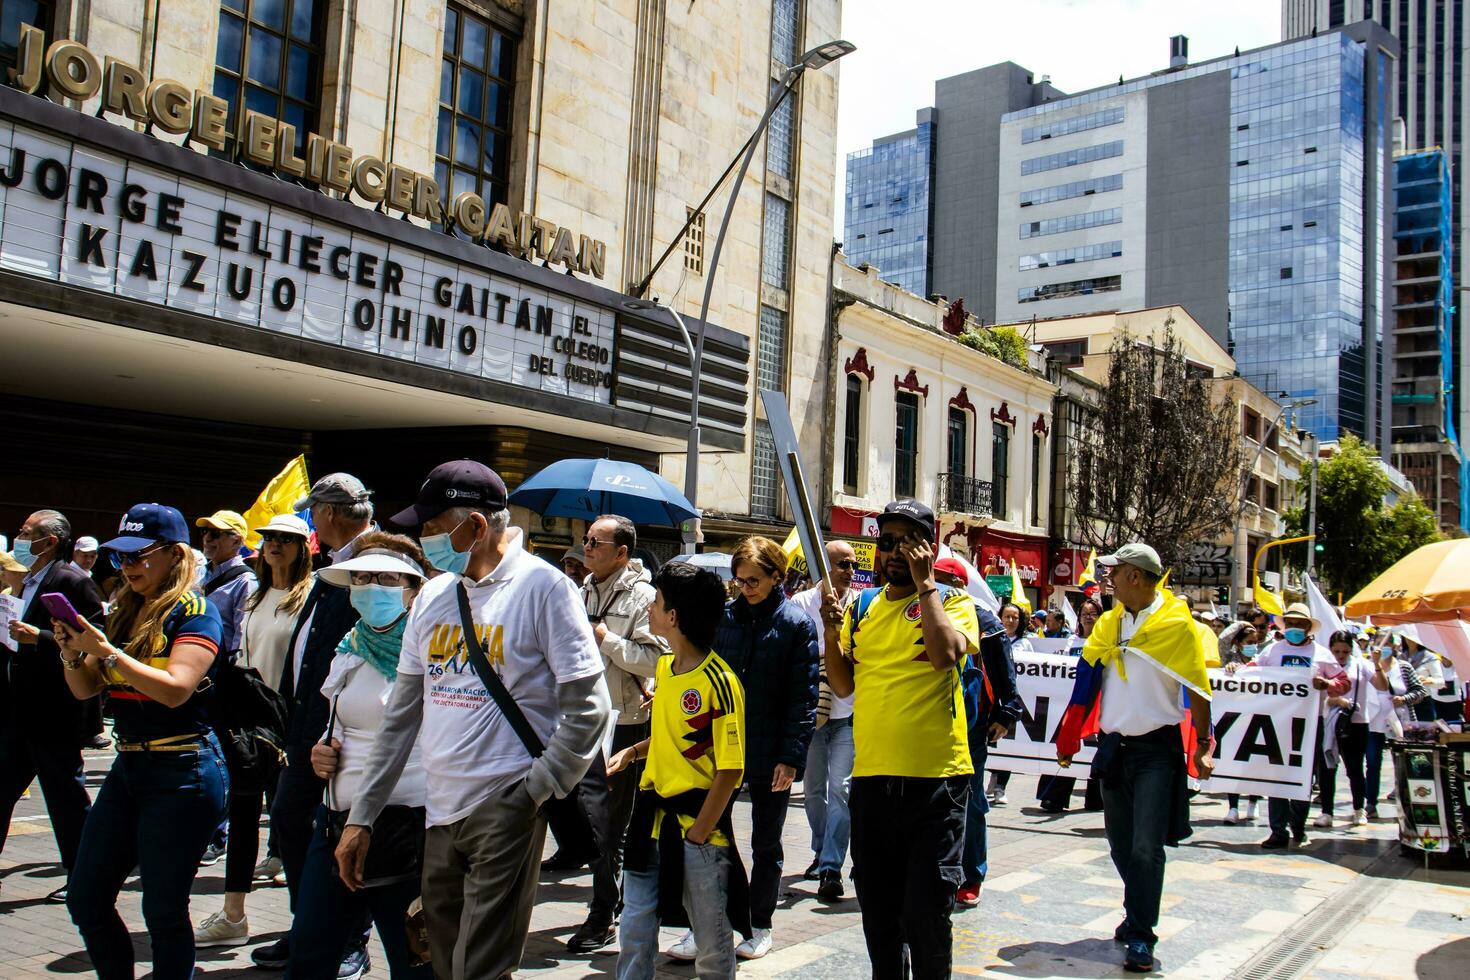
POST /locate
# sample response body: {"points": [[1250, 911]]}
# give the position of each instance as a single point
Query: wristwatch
{"points": [[109, 663], [74, 664]]}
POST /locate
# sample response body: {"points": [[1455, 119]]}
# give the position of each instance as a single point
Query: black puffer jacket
{"points": [[772, 647]]}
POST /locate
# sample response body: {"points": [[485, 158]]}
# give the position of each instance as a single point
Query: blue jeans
{"points": [[825, 787], [706, 873], [158, 811], [974, 859], [1136, 819], [329, 918]]}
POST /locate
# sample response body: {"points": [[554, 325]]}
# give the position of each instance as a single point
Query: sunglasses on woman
{"points": [[278, 537], [127, 559]]}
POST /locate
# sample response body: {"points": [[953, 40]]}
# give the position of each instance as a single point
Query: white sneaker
{"points": [[1325, 820], [1250, 811], [1000, 798], [1232, 816], [756, 946], [1358, 819], [220, 931], [266, 870], [685, 949]]}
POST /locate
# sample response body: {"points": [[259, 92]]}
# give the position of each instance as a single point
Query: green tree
{"points": [[1003, 343], [1358, 535]]}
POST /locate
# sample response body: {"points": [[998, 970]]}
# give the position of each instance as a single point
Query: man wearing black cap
{"points": [[486, 788], [341, 512], [911, 769]]}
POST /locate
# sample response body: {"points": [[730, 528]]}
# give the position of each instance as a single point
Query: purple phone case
{"points": [[60, 607]]}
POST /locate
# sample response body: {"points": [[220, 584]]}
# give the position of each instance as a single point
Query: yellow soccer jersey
{"points": [[697, 726], [908, 719]]}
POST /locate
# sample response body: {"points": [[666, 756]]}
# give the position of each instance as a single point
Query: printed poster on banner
{"points": [[1265, 726], [866, 575]]}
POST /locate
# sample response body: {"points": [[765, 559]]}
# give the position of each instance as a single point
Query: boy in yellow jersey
{"points": [[681, 865], [898, 651]]}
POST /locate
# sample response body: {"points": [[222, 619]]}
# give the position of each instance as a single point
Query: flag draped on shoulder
{"points": [[1168, 641], [278, 497]]}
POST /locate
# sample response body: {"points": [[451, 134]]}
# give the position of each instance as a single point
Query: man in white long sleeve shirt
{"points": [[485, 792]]}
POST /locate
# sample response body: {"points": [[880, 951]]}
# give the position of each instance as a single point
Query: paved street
{"points": [[1347, 905]]}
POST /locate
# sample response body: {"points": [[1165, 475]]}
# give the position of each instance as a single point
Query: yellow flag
{"points": [[1089, 574], [278, 497], [1164, 582], [1018, 592], [795, 558], [1269, 601]]}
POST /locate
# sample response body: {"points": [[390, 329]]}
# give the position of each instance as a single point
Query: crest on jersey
{"points": [[911, 612], [691, 702]]}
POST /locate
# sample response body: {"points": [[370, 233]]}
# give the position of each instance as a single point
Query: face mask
{"points": [[440, 552], [23, 554], [1249, 651], [1296, 636], [379, 605]]}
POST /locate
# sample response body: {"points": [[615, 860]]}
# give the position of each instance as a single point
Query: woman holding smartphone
{"points": [[163, 798], [284, 575]]}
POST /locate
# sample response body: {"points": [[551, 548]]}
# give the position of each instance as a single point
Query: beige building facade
{"points": [[524, 165]]}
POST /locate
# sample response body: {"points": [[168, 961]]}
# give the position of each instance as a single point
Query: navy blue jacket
{"points": [[772, 647], [329, 607]]}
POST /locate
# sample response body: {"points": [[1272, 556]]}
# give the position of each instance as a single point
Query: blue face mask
{"points": [[22, 551], [1296, 636], [379, 605], [1249, 651], [441, 553]]}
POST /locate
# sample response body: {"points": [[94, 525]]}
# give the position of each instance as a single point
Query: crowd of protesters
{"points": [[415, 710]]}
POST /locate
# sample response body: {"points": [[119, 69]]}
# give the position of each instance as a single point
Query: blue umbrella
{"points": [[715, 561], [588, 488]]}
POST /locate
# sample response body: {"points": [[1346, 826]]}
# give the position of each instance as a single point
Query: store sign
{"points": [[271, 143], [90, 218]]}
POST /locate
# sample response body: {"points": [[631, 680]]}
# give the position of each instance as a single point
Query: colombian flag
{"points": [[1088, 579], [1169, 640], [279, 495]]}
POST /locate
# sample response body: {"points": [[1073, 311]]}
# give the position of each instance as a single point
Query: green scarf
{"points": [[379, 649]]}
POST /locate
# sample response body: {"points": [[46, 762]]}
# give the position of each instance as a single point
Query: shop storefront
{"points": [[997, 552], [175, 326]]}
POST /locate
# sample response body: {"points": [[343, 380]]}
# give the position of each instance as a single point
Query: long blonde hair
{"points": [[296, 589], [136, 621]]}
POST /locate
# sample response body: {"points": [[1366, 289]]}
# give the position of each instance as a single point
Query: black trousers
{"points": [[767, 820], [607, 897], [1136, 813], [1290, 816], [907, 840], [1351, 751], [26, 755], [298, 794], [242, 848]]}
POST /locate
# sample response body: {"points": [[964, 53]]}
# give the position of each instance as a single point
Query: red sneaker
{"points": [[968, 895]]}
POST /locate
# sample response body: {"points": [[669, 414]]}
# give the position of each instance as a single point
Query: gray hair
{"points": [[625, 535], [358, 512], [499, 519], [53, 523]]}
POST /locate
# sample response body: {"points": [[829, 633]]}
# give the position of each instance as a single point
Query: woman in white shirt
{"points": [[385, 574], [284, 574], [1014, 620], [1346, 729]]}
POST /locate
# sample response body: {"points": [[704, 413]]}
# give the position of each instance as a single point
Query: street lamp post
{"points": [[816, 58]]}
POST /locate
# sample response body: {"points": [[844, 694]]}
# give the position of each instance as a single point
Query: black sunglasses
{"points": [[278, 537], [846, 564], [888, 542], [127, 559]]}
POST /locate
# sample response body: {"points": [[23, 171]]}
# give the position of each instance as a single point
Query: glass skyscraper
{"points": [[888, 216]]}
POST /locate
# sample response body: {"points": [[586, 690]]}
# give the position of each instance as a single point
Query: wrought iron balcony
{"points": [[960, 494]]}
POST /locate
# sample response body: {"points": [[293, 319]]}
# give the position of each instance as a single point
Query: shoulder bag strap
{"points": [[226, 578], [493, 684]]}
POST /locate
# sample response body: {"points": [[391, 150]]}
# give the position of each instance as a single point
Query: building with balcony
{"points": [[919, 413]]}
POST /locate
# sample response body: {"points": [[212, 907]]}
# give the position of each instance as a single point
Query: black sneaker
{"points": [[831, 886], [1139, 958], [355, 964], [590, 936], [1120, 934], [1276, 842], [813, 872], [1300, 838], [212, 854], [561, 862], [273, 957], [57, 897]]}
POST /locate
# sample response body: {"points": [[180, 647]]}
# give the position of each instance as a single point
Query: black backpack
{"points": [[250, 720]]}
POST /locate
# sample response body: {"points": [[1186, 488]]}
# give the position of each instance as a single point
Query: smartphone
{"points": [[60, 608]]}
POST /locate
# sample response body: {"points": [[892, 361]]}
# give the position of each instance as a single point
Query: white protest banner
{"points": [[10, 608], [1265, 727]]}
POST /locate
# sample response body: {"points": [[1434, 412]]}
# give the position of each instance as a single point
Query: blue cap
{"points": [[148, 524]]}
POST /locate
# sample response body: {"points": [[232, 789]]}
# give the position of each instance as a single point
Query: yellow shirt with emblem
{"points": [[697, 726], [908, 719]]}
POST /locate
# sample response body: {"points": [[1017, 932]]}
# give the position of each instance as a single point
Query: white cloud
{"points": [[905, 45]]}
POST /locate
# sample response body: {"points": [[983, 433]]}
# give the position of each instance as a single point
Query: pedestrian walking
{"points": [[497, 653], [228, 580], [828, 777], [384, 576], [617, 593], [166, 791], [911, 769], [270, 615], [1346, 731], [1141, 672], [43, 727], [772, 647], [682, 862], [342, 512], [1017, 633]]}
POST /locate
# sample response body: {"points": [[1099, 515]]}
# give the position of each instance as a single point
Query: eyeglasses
{"points": [[127, 559], [888, 542], [210, 533], [278, 537], [846, 564], [746, 583], [380, 578], [589, 543]]}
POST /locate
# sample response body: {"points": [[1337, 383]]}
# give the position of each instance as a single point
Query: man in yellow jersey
{"points": [[682, 867], [897, 650]]}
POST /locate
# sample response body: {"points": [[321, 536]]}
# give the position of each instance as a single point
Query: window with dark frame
{"points": [[852, 434], [268, 57], [1000, 458], [959, 442], [1036, 448], [906, 444], [13, 13], [476, 82]]}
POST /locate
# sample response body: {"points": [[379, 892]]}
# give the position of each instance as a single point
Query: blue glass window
{"points": [[1076, 287], [474, 107], [269, 52], [1110, 116], [1070, 256], [1077, 188], [1071, 158], [1071, 222]]}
